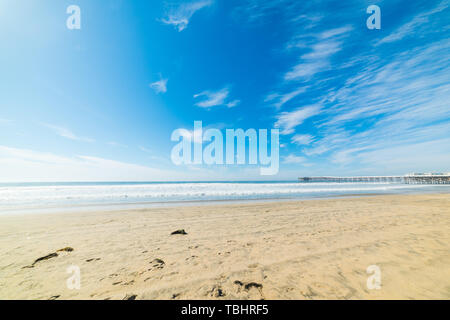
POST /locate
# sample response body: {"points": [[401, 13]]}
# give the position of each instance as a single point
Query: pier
{"points": [[432, 178]]}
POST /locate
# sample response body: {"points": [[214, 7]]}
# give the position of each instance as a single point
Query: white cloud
{"points": [[212, 98], [335, 32], [23, 165], [290, 159], [306, 70], [345, 156], [159, 86], [280, 99], [66, 133], [389, 104], [394, 158], [411, 88], [287, 121], [325, 44], [302, 139], [322, 50], [215, 98], [29, 165], [428, 156], [374, 107], [233, 103], [180, 16], [411, 27], [330, 141]]}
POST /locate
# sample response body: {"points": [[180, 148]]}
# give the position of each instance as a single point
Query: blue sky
{"points": [[100, 103]]}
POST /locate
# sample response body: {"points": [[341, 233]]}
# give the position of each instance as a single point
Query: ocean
{"points": [[32, 197]]}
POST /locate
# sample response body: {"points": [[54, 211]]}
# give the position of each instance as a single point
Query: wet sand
{"points": [[315, 249]]}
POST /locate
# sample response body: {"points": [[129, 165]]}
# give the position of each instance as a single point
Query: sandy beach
{"points": [[315, 249]]}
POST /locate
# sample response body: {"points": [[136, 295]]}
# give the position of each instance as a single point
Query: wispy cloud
{"points": [[288, 121], [302, 139], [327, 142], [233, 103], [411, 27], [322, 46], [255, 10], [159, 86], [279, 100], [179, 16], [361, 101], [293, 159], [215, 98], [306, 70], [66, 133], [394, 103], [30, 165]]}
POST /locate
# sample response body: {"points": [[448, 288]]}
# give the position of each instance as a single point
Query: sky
{"points": [[100, 103]]}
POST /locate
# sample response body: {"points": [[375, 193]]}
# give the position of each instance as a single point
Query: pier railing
{"points": [[419, 179]]}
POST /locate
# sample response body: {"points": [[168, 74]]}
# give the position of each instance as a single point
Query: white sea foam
{"points": [[20, 196]]}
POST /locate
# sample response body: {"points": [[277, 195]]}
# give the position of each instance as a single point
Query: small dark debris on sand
{"points": [[217, 292], [93, 259], [54, 297], [49, 256], [130, 297], [249, 285], [181, 231], [158, 263]]}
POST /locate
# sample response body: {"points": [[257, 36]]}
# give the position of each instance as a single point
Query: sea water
{"points": [[21, 197]]}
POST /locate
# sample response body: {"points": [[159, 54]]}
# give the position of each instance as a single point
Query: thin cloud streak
{"points": [[410, 28], [180, 16], [66, 133], [159, 86], [288, 121], [215, 98]]}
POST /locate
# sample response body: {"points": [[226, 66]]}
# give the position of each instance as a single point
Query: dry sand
{"points": [[318, 249]]}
